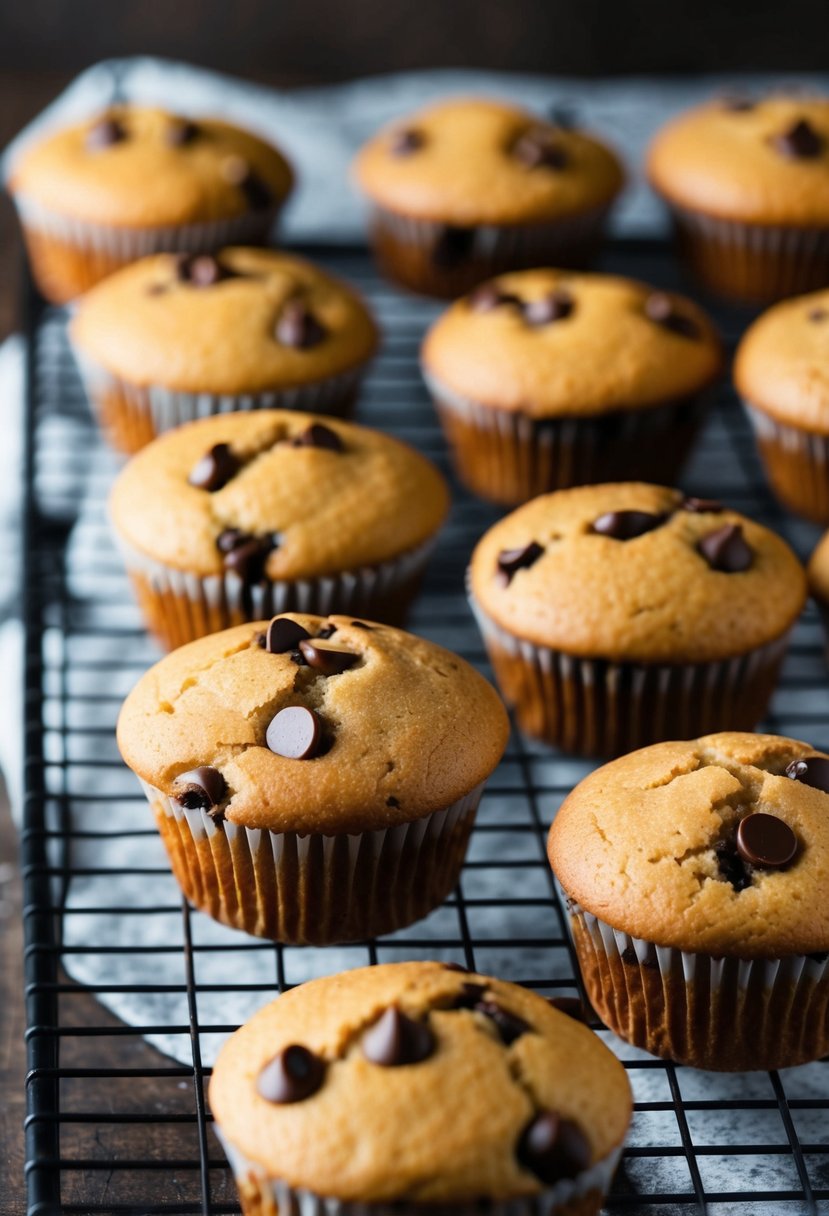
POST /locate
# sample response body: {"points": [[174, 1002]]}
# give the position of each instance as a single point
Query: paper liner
{"points": [[407, 249], [721, 1014], [756, 263], [507, 457], [796, 463], [262, 1195], [179, 607], [69, 256], [595, 707], [315, 889], [133, 415]]}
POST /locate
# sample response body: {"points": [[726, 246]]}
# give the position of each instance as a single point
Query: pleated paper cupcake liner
{"points": [[596, 707], [315, 889], [179, 607], [441, 260], [262, 1195], [756, 263], [69, 256], [721, 1014], [508, 457], [796, 464], [132, 415]]}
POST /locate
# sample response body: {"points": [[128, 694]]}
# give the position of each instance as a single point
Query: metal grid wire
{"points": [[116, 1127]]}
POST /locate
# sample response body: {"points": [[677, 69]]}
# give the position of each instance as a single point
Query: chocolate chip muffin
{"points": [[245, 515], [313, 779], [619, 615], [472, 187], [695, 874], [411, 1086], [818, 573], [747, 185], [173, 338], [134, 181], [781, 370], [546, 379]]}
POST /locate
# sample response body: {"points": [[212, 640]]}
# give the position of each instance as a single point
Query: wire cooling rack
{"points": [[114, 1126]]}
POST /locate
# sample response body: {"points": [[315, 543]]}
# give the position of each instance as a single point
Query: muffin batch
{"points": [[314, 770]]}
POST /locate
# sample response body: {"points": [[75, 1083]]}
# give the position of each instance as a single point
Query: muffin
{"points": [[695, 876], [747, 186], [781, 371], [135, 181], [314, 779], [240, 516], [619, 615], [410, 1087], [472, 187], [818, 572], [545, 379], [173, 338]]}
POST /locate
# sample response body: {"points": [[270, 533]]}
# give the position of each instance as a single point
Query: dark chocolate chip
{"points": [[538, 148], [283, 635], [295, 733], [215, 469], [800, 142], [291, 1076], [327, 631], [555, 306], [361, 625], [731, 867], [299, 658], [509, 1026], [259, 640], [393, 802], [553, 1148], [818, 314], [453, 246], [104, 133], [468, 996], [701, 506], [405, 141], [811, 770], [627, 525], [510, 561], [238, 172], [659, 307], [726, 549], [181, 131], [396, 1039], [230, 538], [765, 841], [330, 658], [200, 788], [571, 1006], [318, 436], [297, 326], [489, 296], [201, 270], [247, 555]]}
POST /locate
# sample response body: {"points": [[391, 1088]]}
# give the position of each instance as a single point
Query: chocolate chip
{"points": [[659, 307], [299, 658], [393, 802], [627, 525], [489, 296], [215, 469], [509, 1026], [811, 770], [238, 172], [538, 148], [396, 1039], [327, 631], [468, 996], [405, 141], [731, 867], [318, 436], [259, 640], [765, 841], [283, 635], [701, 506], [295, 733], [104, 133], [291, 1076], [553, 1148], [453, 246], [246, 555], [180, 132], [361, 625], [818, 314], [200, 788], [330, 658], [569, 1005], [800, 142], [297, 326], [201, 270], [230, 538], [555, 306], [510, 561], [726, 550]]}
